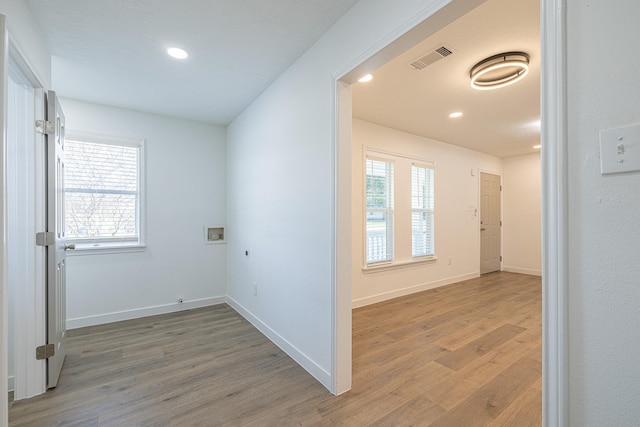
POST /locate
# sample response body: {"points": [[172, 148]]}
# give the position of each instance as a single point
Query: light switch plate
{"points": [[620, 150]]}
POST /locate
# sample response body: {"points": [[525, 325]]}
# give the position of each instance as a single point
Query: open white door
{"points": [[55, 241]]}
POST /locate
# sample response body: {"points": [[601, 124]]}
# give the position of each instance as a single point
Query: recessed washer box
{"points": [[214, 234]]}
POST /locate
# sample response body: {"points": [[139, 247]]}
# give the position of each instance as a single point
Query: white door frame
{"points": [[555, 242], [4, 318], [34, 310], [29, 319], [555, 410]]}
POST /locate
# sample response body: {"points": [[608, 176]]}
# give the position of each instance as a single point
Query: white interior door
{"points": [[56, 246], [490, 223]]}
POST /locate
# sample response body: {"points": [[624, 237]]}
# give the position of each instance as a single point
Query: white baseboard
{"points": [[81, 322], [302, 359], [361, 302], [520, 270]]}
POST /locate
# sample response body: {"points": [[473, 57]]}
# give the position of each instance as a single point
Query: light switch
{"points": [[620, 150]]}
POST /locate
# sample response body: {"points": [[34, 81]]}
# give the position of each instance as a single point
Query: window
{"points": [[103, 192], [379, 210], [422, 202], [399, 216]]}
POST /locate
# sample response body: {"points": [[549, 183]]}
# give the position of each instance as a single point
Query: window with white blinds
{"points": [[379, 210], [103, 181], [422, 206], [399, 211]]}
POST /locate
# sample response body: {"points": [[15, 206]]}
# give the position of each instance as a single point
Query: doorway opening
{"points": [[351, 154]]}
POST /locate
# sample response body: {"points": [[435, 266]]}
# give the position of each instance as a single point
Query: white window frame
{"points": [[428, 211], [115, 245], [402, 256], [388, 211]]}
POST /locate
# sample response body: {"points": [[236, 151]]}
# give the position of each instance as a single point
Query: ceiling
{"points": [[502, 122], [113, 53]]}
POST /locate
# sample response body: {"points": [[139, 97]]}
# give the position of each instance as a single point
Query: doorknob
{"points": [[69, 246]]}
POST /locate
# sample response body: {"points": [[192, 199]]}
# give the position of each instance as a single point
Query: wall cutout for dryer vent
{"points": [[431, 57], [214, 235]]}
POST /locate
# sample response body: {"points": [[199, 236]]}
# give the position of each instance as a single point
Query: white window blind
{"points": [[422, 209], [102, 191], [379, 209]]}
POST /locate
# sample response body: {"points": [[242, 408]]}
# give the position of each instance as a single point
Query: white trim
{"points": [[411, 289], [98, 138], [100, 319], [555, 367], [341, 237], [394, 265], [389, 156], [19, 57], [302, 359], [29, 325], [11, 383], [520, 270], [4, 46], [105, 246]]}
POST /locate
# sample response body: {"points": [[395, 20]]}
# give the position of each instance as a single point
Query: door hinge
{"points": [[45, 127], [45, 238], [45, 351], [500, 223], [500, 258]]}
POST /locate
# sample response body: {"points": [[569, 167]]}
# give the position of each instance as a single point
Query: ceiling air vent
{"points": [[431, 57]]}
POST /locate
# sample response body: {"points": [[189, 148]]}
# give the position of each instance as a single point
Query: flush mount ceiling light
{"points": [[366, 78], [456, 114], [176, 52], [499, 70]]}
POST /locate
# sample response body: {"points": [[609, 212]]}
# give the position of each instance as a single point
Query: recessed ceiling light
{"points": [[176, 52], [366, 78], [499, 70], [537, 146], [456, 114]]}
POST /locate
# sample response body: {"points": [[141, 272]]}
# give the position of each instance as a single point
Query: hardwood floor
{"points": [[467, 354]]}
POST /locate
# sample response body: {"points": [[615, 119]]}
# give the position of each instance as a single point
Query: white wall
{"points": [[604, 224], [26, 38], [281, 187], [521, 214], [456, 221], [185, 190]]}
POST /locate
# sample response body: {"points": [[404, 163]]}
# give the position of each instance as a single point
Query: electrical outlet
{"points": [[255, 289]]}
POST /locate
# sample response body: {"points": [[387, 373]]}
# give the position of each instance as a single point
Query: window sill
{"points": [[376, 268], [105, 248]]}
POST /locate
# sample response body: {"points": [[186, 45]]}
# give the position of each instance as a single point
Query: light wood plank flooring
{"points": [[467, 354]]}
